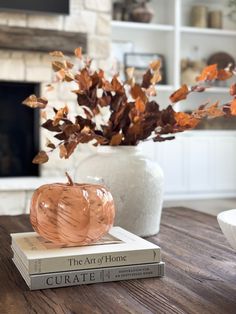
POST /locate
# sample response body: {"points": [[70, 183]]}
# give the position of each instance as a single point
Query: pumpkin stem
{"points": [[70, 182]]}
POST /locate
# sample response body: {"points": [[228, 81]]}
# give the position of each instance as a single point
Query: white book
{"points": [[118, 248], [81, 277]]}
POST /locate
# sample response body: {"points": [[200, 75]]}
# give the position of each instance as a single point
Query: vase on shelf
{"points": [[135, 182], [141, 13], [198, 17]]}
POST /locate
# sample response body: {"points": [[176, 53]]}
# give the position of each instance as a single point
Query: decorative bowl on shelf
{"points": [[141, 13], [227, 222]]}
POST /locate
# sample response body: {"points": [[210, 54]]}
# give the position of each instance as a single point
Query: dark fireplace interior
{"points": [[19, 130]]}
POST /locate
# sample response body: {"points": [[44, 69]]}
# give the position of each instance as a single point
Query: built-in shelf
{"points": [[218, 90], [208, 31], [170, 36], [167, 88], [141, 26]]}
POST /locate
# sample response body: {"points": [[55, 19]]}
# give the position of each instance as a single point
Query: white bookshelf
{"points": [[208, 31], [141, 26], [171, 35], [198, 169]]}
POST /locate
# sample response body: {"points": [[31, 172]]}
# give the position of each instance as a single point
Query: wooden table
{"points": [[200, 275]]}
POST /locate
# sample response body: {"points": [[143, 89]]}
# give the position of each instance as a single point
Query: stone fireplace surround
{"points": [[91, 17]]}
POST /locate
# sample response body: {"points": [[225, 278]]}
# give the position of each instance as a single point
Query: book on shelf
{"points": [[118, 248], [89, 276]]}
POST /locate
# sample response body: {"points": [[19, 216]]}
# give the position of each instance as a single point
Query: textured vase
{"points": [[72, 215], [136, 184]]}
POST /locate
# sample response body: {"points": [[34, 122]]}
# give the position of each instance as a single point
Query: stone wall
{"points": [[88, 16]]}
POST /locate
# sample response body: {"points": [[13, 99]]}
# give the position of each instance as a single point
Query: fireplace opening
{"points": [[19, 130]]}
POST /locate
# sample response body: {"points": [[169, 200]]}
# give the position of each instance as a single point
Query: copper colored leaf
{"points": [[139, 105], [130, 76], [71, 129], [214, 111], [100, 73], [224, 75], [130, 72], [155, 65], [69, 65], [209, 73], [233, 107], [104, 101], [61, 113], [107, 86], [78, 52], [137, 92], [156, 77], [40, 158], [147, 79], [211, 111], [233, 89], [185, 120], [70, 147], [180, 94], [50, 127], [61, 136], [58, 65], [56, 53], [69, 77], [63, 151], [86, 129], [116, 139], [116, 85], [136, 119], [35, 102], [84, 80], [61, 74], [50, 144]]}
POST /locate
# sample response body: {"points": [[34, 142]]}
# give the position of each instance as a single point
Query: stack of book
{"points": [[120, 255]]}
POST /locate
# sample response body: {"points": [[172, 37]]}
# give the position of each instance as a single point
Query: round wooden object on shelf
{"points": [[141, 14], [222, 59]]}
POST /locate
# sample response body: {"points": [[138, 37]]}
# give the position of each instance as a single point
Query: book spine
{"points": [[64, 279], [70, 263]]}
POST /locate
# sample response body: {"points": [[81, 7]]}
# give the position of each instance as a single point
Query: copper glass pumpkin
{"points": [[72, 214]]}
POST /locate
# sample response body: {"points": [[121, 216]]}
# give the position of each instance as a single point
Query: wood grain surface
{"points": [[41, 40], [200, 275]]}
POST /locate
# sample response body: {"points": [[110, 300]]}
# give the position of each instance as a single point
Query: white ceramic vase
{"points": [[135, 182]]}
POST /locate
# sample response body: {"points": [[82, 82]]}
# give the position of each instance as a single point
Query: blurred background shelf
{"points": [[165, 88], [223, 90], [198, 169], [141, 26], [208, 31], [171, 35]]}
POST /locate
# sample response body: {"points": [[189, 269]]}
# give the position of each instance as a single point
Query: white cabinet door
{"points": [[197, 165], [171, 157], [222, 163]]}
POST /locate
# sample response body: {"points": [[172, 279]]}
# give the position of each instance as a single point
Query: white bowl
{"points": [[227, 222]]}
